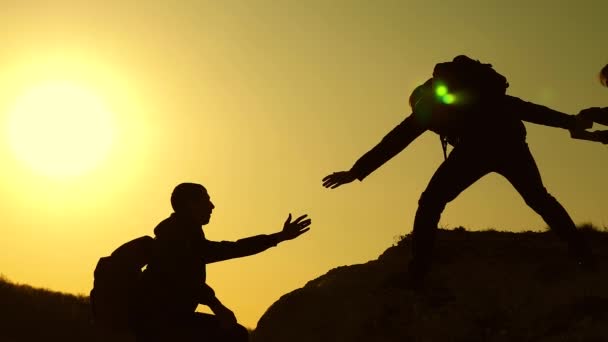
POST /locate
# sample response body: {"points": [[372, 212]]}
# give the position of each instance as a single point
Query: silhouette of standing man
{"points": [[174, 282], [493, 140]]}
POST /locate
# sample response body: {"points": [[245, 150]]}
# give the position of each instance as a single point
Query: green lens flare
{"points": [[448, 98], [441, 90]]}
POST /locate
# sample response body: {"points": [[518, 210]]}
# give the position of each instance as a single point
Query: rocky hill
{"points": [[485, 286], [34, 314]]}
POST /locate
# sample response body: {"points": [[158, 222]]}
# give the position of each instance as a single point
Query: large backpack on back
{"points": [[116, 278], [457, 97], [470, 79]]}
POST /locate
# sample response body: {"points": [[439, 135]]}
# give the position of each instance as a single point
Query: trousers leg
{"points": [[522, 172], [461, 169]]}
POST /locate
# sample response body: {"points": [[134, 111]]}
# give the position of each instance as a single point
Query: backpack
{"points": [[116, 279], [460, 89]]}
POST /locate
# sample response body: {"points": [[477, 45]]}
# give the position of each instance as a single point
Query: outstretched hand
{"points": [[582, 122], [338, 178], [292, 230], [594, 114]]}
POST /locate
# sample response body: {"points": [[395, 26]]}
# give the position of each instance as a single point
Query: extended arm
{"points": [[223, 250], [215, 251], [541, 115], [393, 143]]}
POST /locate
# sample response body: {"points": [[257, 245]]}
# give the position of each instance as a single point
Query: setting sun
{"points": [[60, 129]]}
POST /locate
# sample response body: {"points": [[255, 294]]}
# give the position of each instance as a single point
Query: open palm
{"points": [[292, 230], [338, 178]]}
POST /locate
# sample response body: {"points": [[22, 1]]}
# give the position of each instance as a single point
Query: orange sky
{"points": [[258, 101]]}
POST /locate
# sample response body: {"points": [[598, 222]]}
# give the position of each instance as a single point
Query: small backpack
{"points": [[116, 278], [460, 89]]}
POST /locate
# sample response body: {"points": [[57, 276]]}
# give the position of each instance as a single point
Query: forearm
{"points": [[206, 296], [213, 303], [393, 143], [256, 244], [599, 136], [224, 250], [541, 115]]}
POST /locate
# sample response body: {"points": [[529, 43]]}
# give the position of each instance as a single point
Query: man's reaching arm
{"points": [[393, 143], [214, 251], [535, 113]]}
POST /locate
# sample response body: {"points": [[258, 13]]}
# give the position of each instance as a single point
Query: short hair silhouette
{"points": [[184, 193]]}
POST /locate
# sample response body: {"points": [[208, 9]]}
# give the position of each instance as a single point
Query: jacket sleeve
{"points": [[531, 112], [393, 143], [214, 251]]}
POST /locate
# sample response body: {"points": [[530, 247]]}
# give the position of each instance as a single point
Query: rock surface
{"points": [[484, 286]]}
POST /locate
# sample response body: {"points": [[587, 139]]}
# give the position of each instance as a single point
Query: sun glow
{"points": [[60, 129]]}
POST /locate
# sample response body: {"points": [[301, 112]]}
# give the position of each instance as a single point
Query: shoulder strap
{"points": [[444, 146]]}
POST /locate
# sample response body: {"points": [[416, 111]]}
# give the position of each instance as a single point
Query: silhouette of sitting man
{"points": [[173, 284], [495, 141]]}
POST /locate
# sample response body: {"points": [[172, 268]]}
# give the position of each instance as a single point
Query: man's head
{"points": [[604, 75], [192, 200]]}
